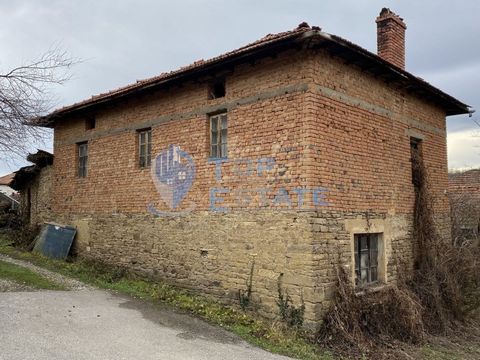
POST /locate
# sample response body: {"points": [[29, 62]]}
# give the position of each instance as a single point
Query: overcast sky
{"points": [[124, 40]]}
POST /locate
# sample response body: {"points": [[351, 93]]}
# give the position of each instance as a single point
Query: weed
{"points": [[291, 315], [244, 298]]}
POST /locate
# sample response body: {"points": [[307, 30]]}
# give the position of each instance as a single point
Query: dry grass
{"points": [[446, 276], [358, 323], [441, 293]]}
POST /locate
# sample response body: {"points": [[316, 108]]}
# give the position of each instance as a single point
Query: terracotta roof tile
{"points": [[303, 27], [466, 181], [456, 107]]}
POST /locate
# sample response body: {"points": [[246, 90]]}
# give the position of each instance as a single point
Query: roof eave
{"points": [[451, 105], [48, 120]]}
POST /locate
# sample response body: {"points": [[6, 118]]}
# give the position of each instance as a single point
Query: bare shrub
{"points": [[442, 290], [446, 275], [359, 321], [20, 234]]}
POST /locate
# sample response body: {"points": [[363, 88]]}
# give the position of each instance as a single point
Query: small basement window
{"points": [[90, 123], [216, 89], [366, 258]]}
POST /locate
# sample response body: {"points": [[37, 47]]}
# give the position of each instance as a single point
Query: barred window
{"points": [[218, 136], [144, 148], [366, 258], [82, 159]]}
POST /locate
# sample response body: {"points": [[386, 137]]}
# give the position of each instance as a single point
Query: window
{"points": [[217, 89], [144, 148], [82, 159], [90, 123], [416, 159], [366, 258], [218, 136]]}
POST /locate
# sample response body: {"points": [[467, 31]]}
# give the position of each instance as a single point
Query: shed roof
{"points": [[303, 35], [24, 175], [6, 179]]}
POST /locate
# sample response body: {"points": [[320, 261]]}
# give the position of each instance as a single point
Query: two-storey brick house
{"points": [[286, 157]]}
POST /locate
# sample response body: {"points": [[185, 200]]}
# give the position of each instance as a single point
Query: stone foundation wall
{"points": [[213, 253]]}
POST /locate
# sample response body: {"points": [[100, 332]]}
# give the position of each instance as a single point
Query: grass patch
{"points": [[26, 277], [272, 336], [431, 352]]}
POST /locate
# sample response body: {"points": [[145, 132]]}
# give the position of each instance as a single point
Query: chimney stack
{"points": [[391, 38]]}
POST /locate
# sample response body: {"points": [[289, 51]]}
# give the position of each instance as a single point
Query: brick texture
{"points": [[391, 38], [323, 124]]}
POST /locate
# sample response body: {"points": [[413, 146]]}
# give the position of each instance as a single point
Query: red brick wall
{"points": [[360, 140], [320, 137], [270, 127]]}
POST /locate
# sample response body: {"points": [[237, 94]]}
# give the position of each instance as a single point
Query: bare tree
{"points": [[25, 94]]}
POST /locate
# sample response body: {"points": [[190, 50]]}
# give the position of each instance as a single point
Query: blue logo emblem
{"points": [[173, 173]]}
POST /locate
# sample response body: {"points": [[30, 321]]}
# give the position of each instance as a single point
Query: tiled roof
{"points": [[302, 28], [466, 181], [302, 33]]}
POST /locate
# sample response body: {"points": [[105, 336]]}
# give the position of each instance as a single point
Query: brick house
{"points": [[464, 192], [284, 158]]}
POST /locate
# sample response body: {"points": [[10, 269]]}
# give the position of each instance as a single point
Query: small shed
{"points": [[9, 198], [34, 182]]}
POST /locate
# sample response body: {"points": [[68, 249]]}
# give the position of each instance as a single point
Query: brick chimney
{"points": [[391, 37]]}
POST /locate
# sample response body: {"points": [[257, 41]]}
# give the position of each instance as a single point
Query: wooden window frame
{"points": [[372, 263], [218, 124], [144, 137], [82, 160]]}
